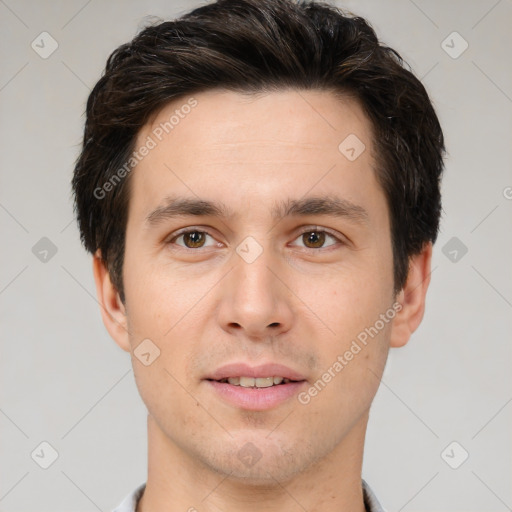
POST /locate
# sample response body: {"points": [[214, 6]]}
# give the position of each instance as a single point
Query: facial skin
{"points": [[299, 303]]}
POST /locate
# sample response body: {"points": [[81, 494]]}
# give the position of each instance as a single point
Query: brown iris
{"points": [[317, 238], [196, 239]]}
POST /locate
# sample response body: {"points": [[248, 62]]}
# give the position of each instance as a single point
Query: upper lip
{"points": [[245, 370]]}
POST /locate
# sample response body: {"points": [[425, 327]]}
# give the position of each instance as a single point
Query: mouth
{"points": [[255, 388], [256, 382]]}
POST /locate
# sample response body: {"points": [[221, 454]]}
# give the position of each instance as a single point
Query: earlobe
{"points": [[412, 297], [113, 311]]}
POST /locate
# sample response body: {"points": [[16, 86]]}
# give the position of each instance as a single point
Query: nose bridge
{"points": [[254, 299], [253, 278]]}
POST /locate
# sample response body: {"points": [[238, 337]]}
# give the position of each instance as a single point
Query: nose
{"points": [[256, 301]]}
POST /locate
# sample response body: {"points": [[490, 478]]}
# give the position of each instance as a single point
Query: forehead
{"points": [[246, 146], [218, 116]]}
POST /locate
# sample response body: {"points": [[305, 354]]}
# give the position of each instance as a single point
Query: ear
{"points": [[113, 311], [412, 297]]}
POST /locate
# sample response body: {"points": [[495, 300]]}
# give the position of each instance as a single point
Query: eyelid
{"points": [[335, 234]]}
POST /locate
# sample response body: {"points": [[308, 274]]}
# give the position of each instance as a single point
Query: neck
{"points": [[177, 482]]}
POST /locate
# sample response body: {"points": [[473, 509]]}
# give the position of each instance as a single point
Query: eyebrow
{"points": [[173, 207]]}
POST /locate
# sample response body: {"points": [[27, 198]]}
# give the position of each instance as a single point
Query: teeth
{"points": [[259, 382], [264, 382], [247, 382]]}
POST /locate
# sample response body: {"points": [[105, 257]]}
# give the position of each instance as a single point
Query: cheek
{"points": [[157, 298], [348, 381], [345, 300], [357, 310], [167, 400]]}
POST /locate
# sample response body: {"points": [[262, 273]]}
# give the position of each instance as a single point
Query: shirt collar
{"points": [[371, 503]]}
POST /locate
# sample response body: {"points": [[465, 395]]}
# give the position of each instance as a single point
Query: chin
{"points": [[262, 462]]}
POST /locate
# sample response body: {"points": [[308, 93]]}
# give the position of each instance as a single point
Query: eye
{"points": [[311, 238], [192, 239], [315, 238]]}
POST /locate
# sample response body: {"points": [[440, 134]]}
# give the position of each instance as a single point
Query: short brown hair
{"points": [[261, 46]]}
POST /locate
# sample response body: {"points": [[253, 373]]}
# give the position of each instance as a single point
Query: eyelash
{"points": [[308, 229]]}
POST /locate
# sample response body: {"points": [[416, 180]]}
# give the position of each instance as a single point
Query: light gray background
{"points": [[64, 381]]}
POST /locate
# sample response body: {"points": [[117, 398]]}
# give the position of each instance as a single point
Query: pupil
{"points": [[195, 237], [317, 239]]}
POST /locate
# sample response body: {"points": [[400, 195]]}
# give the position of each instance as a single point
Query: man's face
{"points": [[255, 288]]}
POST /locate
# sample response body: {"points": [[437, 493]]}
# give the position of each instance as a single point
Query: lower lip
{"points": [[256, 399]]}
